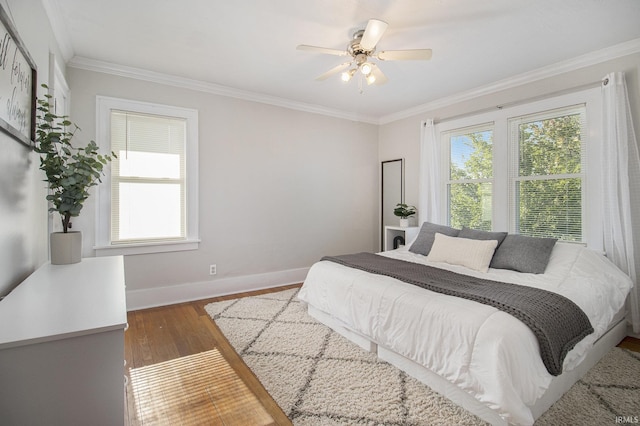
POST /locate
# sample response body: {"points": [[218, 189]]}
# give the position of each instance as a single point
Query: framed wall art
{"points": [[17, 84]]}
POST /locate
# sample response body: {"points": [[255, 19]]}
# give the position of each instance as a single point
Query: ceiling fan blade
{"points": [[373, 33], [379, 76], [333, 71], [322, 50], [405, 55]]}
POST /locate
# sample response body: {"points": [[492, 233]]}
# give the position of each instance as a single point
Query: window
{"points": [[148, 202], [525, 169], [547, 175], [470, 180]]}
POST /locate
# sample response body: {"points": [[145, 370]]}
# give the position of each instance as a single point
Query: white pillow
{"points": [[474, 254]]}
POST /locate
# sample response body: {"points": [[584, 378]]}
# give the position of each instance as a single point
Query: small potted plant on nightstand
{"points": [[70, 172], [404, 212]]}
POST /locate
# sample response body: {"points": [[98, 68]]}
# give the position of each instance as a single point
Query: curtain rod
{"points": [[522, 101]]}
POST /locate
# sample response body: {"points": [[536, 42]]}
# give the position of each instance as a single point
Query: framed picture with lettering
{"points": [[17, 84]]}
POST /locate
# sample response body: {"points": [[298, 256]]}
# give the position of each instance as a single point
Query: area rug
{"points": [[318, 377]]}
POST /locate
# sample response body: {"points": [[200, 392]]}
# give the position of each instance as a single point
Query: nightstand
{"points": [[391, 232]]}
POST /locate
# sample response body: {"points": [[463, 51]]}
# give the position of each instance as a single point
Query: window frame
{"points": [[503, 217], [103, 244], [448, 181], [514, 154]]}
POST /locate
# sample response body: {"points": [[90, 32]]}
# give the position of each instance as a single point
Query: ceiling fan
{"points": [[362, 48]]}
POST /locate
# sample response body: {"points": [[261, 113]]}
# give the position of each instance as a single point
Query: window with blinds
{"points": [[546, 173], [525, 170], [470, 178], [148, 179]]}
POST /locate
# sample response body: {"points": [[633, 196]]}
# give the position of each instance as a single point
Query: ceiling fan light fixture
{"points": [[362, 50], [366, 68], [346, 76]]}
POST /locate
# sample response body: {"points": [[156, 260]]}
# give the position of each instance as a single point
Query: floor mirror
{"points": [[392, 184]]}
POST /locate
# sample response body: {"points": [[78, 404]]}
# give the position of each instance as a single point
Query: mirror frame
{"points": [[382, 191]]}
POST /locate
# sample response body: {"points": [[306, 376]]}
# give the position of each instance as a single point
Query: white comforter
{"points": [[482, 350]]}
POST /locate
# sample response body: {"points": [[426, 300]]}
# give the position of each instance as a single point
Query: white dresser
{"points": [[62, 346]]}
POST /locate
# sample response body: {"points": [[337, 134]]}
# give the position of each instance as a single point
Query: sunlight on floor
{"points": [[194, 390]]}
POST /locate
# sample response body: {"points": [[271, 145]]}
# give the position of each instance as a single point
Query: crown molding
{"points": [[216, 89], [592, 58]]}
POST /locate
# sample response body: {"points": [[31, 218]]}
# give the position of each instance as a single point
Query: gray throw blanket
{"points": [[556, 321]]}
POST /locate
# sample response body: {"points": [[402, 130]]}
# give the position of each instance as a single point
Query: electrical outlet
{"points": [[212, 269]]}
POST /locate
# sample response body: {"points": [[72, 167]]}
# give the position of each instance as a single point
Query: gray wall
{"points": [[23, 208], [278, 188]]}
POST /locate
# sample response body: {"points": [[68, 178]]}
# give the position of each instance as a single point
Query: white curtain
{"points": [[621, 183], [429, 186]]}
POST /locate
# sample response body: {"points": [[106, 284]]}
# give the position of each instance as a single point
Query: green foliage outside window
{"points": [[550, 207], [548, 185], [472, 159]]}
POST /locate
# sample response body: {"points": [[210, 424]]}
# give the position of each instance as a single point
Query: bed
{"points": [[477, 355]]}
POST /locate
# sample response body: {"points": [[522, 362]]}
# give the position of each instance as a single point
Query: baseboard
{"points": [[162, 296]]}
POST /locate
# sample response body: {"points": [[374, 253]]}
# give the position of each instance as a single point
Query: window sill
{"points": [[146, 248]]}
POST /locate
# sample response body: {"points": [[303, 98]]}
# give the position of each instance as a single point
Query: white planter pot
{"points": [[404, 223], [65, 247]]}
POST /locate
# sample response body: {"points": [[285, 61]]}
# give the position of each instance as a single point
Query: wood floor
{"points": [[171, 382], [182, 370], [630, 343]]}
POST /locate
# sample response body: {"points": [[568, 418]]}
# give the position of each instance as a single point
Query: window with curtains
{"points": [[525, 169], [148, 202], [470, 177]]}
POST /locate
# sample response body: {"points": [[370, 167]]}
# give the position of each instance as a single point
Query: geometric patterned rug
{"points": [[318, 377]]}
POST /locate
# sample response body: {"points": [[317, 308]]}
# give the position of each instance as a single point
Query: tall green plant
{"points": [[70, 171]]}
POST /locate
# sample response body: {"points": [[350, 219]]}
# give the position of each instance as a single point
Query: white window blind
{"points": [[148, 179], [546, 173], [540, 183], [470, 177]]}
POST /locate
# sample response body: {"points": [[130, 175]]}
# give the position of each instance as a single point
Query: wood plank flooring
{"points": [[182, 370], [630, 343]]}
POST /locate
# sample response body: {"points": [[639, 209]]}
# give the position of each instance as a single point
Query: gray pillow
{"points": [[523, 254], [426, 236], [475, 234]]}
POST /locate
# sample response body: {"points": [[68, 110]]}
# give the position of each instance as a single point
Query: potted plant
{"points": [[70, 172], [404, 211]]}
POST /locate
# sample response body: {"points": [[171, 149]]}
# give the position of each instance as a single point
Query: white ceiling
{"points": [[250, 45]]}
